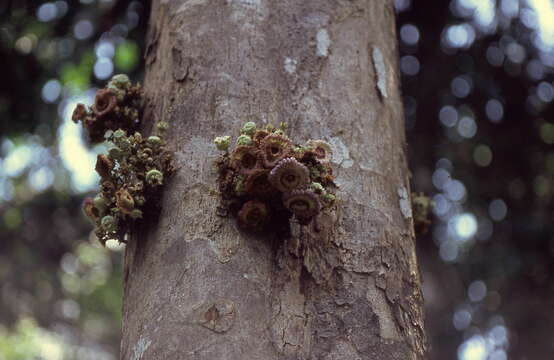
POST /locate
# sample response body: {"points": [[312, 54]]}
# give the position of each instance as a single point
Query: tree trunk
{"points": [[198, 288]]}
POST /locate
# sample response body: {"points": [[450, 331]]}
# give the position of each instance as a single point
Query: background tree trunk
{"points": [[198, 288]]}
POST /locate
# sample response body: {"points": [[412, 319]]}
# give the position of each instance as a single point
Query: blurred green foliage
{"points": [[127, 56], [29, 341], [76, 77]]}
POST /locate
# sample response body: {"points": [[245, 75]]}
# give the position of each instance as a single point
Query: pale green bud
{"points": [[154, 177], [119, 134], [154, 141], [244, 140], [317, 187], [120, 81], [108, 223], [162, 126], [248, 128], [222, 142]]}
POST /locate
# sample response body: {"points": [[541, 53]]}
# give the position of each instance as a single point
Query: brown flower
{"points": [[259, 135], [107, 189], [124, 201], [321, 149], [289, 175], [79, 113], [104, 102], [257, 183], [253, 214], [246, 159], [104, 165], [90, 210], [303, 203], [274, 149]]}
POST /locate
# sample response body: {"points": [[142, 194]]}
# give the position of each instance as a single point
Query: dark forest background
{"points": [[477, 84]]}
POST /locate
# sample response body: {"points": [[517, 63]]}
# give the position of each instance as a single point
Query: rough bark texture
{"points": [[198, 288]]}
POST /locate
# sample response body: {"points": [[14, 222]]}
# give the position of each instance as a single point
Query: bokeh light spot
{"points": [[464, 225], [494, 110], [461, 86], [448, 116], [474, 348], [51, 91], [541, 186], [477, 291], [73, 152], [12, 218], [498, 209], [461, 319], [47, 12], [409, 34], [83, 29], [467, 127], [409, 65], [482, 155], [103, 68], [547, 133]]}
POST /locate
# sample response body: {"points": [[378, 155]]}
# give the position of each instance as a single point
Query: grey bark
{"points": [[198, 288]]}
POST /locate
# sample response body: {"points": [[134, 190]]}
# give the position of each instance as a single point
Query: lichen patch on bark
{"points": [[380, 71], [323, 42], [140, 348]]}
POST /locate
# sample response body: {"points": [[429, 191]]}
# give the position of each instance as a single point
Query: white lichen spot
{"points": [[323, 42], [341, 154], [140, 348], [380, 71], [290, 65], [405, 206]]}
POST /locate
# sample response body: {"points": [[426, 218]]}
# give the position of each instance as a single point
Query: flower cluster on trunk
{"points": [[117, 106], [267, 177], [134, 169]]}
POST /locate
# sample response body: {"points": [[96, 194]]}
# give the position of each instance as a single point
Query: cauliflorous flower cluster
{"points": [[268, 177], [117, 106], [132, 172]]}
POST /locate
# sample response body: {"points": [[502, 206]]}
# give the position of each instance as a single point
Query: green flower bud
{"points": [[317, 187], [124, 144], [154, 141], [154, 177], [244, 140], [137, 137], [120, 81], [162, 126], [222, 142], [119, 134], [108, 223], [249, 128]]}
